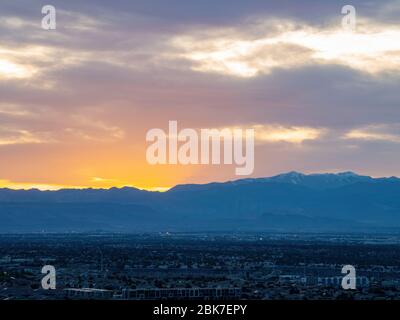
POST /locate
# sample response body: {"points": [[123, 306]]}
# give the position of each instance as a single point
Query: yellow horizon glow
{"points": [[55, 187]]}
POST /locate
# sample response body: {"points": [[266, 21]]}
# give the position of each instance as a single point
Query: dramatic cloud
{"points": [[380, 132], [77, 101], [20, 136], [287, 134], [370, 48]]}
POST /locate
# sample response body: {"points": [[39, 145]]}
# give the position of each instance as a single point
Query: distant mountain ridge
{"points": [[315, 180], [291, 201]]}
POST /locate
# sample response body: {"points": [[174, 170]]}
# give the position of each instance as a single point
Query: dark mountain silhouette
{"points": [[287, 202]]}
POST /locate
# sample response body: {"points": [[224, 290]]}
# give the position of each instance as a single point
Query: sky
{"points": [[76, 102]]}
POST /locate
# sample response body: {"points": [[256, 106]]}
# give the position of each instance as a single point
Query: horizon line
{"points": [[57, 187]]}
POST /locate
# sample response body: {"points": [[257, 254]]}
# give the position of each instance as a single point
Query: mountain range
{"points": [[289, 202]]}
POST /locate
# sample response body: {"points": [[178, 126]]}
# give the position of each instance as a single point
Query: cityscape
{"points": [[199, 157], [199, 266]]}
